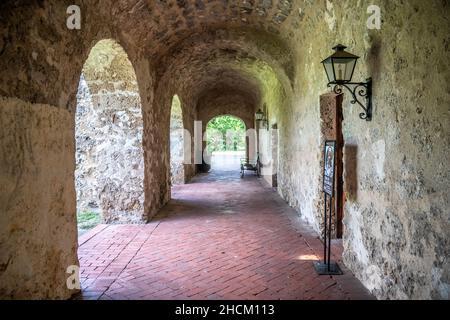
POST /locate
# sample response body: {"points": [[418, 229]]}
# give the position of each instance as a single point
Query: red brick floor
{"points": [[221, 237]]}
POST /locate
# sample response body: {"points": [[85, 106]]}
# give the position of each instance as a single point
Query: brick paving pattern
{"points": [[220, 237]]}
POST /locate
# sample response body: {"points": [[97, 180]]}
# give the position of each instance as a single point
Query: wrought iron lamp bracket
{"points": [[357, 90]]}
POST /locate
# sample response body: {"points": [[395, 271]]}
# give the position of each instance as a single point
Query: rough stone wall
{"points": [[109, 126], [396, 235], [274, 140], [86, 173], [275, 102], [38, 238], [110, 164], [189, 116], [41, 63], [176, 143]]}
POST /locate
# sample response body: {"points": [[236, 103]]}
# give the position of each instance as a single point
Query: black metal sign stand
{"points": [[327, 267]]}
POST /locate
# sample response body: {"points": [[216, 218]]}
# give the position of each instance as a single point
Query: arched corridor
{"points": [[104, 107]]}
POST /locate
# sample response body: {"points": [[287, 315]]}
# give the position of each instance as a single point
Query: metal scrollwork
{"points": [[357, 90]]}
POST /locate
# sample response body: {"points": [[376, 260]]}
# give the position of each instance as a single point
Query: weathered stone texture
{"points": [[176, 143], [109, 126], [38, 233], [396, 232], [110, 164]]}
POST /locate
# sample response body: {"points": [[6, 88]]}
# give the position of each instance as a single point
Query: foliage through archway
{"points": [[226, 133]]}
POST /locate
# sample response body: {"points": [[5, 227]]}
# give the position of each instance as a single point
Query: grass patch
{"points": [[87, 220]]}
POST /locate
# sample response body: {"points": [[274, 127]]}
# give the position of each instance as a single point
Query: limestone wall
{"points": [[41, 64], [110, 164], [38, 233], [176, 143], [397, 232]]}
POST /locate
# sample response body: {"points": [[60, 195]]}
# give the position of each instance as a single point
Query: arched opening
{"points": [[225, 142], [176, 142], [108, 128]]}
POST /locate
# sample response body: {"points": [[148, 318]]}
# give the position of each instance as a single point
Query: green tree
{"points": [[218, 129]]}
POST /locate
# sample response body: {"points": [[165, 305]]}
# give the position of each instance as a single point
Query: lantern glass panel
{"points": [[259, 115], [327, 64], [343, 69]]}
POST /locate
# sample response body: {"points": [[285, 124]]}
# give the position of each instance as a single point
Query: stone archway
{"points": [[226, 142], [177, 175], [109, 156]]}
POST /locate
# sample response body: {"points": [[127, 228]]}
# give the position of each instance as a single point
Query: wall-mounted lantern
{"points": [[260, 117], [339, 68]]}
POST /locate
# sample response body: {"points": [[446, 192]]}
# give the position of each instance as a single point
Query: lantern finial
{"points": [[339, 47]]}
